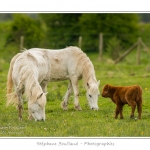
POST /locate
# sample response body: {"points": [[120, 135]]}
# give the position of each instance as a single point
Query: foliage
{"points": [[23, 25], [123, 26], [4, 17], [6, 52], [113, 48], [144, 32], [144, 17], [63, 29]]}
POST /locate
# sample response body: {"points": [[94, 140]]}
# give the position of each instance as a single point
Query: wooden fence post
{"points": [[21, 42], [100, 45], [138, 51], [145, 47], [80, 41]]}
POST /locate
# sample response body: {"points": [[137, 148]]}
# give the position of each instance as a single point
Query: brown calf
{"points": [[121, 95]]}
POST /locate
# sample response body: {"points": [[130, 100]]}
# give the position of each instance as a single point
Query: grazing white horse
{"points": [[31, 71], [25, 72]]}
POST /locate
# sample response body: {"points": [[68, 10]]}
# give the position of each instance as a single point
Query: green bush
{"points": [[144, 33], [25, 26], [113, 48]]}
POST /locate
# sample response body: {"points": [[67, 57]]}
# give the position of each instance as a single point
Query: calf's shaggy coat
{"points": [[121, 95]]}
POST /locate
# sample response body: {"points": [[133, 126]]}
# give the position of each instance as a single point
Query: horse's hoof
{"points": [[30, 118], [64, 106], [78, 108]]}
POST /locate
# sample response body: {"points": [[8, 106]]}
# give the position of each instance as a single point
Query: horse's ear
{"points": [[46, 93], [40, 95], [98, 83], [88, 85]]}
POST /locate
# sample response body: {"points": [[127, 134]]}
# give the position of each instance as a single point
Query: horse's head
{"points": [[37, 108], [92, 94]]}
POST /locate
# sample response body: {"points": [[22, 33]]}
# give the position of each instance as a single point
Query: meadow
{"points": [[85, 123]]}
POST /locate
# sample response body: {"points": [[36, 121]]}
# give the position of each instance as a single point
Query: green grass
{"points": [[85, 123]]}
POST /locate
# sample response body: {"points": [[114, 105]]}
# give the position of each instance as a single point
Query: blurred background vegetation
{"points": [[58, 30]]}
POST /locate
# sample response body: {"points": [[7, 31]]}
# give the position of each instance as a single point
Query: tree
{"points": [[62, 29], [4, 17], [122, 26], [25, 26]]}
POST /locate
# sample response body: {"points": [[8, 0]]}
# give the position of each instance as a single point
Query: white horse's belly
{"points": [[59, 75], [58, 79]]}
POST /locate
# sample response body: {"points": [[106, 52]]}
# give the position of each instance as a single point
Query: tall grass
{"points": [[85, 123]]}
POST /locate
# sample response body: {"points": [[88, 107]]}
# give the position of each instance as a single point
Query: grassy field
{"points": [[85, 123]]}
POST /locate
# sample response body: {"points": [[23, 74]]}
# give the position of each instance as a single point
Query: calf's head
{"points": [[106, 91]]}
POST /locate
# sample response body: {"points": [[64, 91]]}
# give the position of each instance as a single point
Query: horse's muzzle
{"points": [[94, 108], [40, 119]]}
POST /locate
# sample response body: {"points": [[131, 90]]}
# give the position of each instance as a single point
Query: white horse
{"points": [[25, 72], [54, 65]]}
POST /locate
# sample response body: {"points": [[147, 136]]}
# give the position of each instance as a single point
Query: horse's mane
{"points": [[27, 70], [85, 63]]}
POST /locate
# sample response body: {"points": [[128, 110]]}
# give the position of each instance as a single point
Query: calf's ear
{"points": [[106, 86]]}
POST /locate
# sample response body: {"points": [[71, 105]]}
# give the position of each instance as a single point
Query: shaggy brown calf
{"points": [[121, 95]]}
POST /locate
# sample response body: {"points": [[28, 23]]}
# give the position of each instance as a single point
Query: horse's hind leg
{"points": [[64, 104], [19, 91]]}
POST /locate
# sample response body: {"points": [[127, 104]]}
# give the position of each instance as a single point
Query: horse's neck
{"points": [[32, 87], [92, 79]]}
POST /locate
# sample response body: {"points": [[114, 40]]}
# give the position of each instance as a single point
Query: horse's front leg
{"points": [[44, 86], [64, 103], [74, 82], [19, 92]]}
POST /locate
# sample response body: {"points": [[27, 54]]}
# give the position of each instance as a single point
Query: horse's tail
{"points": [[11, 96]]}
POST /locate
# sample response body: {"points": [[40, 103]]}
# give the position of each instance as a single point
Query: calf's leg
{"points": [[133, 106], [139, 108], [116, 112], [119, 110]]}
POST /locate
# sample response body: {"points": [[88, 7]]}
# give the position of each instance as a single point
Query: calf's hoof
{"points": [[132, 117]]}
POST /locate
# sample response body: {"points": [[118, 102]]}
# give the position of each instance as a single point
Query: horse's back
{"points": [[63, 62], [60, 64]]}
